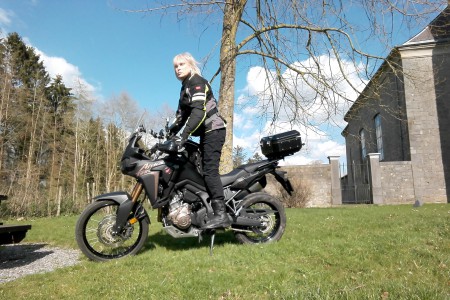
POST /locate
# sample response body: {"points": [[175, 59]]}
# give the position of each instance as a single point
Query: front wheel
{"points": [[94, 236], [269, 211]]}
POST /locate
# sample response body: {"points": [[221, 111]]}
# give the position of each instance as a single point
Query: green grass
{"points": [[350, 252]]}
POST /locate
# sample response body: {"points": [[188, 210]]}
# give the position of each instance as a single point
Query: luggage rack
{"points": [[280, 145], [12, 234]]}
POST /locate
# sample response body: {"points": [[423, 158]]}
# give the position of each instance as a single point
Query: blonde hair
{"points": [[190, 61]]}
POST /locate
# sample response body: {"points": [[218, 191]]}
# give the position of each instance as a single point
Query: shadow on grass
{"points": [[165, 240]]}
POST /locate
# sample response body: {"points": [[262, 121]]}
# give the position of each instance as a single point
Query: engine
{"points": [[179, 212]]}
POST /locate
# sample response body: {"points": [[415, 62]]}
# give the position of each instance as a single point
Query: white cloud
{"points": [[331, 148], [257, 80], [243, 122], [5, 17], [318, 146], [249, 140], [70, 73], [315, 103], [316, 109], [251, 110], [242, 142], [316, 149]]}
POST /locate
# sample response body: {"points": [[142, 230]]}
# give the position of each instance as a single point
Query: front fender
{"points": [[119, 197], [126, 206]]}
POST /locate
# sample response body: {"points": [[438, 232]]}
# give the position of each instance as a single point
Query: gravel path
{"points": [[24, 259]]}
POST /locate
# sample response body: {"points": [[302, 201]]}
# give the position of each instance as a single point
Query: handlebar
{"points": [[140, 129]]}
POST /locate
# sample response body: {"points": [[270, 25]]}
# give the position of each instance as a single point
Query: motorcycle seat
{"points": [[241, 171], [252, 167], [231, 177]]}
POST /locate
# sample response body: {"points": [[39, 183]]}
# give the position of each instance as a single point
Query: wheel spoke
{"points": [[99, 238], [269, 212]]}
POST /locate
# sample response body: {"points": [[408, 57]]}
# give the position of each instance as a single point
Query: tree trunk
{"points": [[4, 105], [58, 211], [35, 118], [75, 166], [232, 15], [52, 188]]}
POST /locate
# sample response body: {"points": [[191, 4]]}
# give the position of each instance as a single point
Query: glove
{"points": [[152, 150], [175, 127], [179, 142]]}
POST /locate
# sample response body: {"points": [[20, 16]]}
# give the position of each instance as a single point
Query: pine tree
{"points": [[238, 156], [255, 158], [26, 102], [60, 110]]}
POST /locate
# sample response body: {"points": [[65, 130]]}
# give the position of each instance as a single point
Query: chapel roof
{"points": [[437, 30]]}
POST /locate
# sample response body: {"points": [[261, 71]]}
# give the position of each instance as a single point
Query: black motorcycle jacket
{"points": [[197, 109]]}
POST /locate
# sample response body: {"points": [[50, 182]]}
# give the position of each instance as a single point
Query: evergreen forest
{"points": [[59, 146]]}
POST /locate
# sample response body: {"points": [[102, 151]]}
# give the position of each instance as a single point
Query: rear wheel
{"points": [[94, 236], [269, 211]]}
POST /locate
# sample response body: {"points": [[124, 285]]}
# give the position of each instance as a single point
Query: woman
{"points": [[197, 111]]}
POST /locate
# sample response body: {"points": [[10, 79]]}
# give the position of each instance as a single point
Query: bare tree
{"points": [[311, 45]]}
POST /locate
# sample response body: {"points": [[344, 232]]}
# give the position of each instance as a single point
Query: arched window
{"points": [[379, 135], [362, 140]]}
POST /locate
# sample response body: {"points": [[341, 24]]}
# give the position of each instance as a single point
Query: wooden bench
{"points": [[12, 234]]}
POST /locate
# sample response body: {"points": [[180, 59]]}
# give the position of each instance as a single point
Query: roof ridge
{"points": [[437, 30]]}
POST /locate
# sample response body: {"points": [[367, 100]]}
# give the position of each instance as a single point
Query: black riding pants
{"points": [[211, 145]]}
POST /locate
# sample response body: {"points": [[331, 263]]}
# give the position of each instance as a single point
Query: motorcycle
{"points": [[116, 224]]}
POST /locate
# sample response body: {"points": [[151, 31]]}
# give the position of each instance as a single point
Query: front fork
{"points": [[125, 208]]}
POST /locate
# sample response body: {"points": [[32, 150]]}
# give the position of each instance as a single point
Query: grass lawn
{"points": [[348, 252]]}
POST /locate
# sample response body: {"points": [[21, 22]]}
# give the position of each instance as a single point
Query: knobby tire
{"points": [[274, 219], [93, 228]]}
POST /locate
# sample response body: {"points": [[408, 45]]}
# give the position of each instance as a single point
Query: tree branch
{"points": [[183, 3]]}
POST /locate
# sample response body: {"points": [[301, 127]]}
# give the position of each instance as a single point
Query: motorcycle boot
{"points": [[220, 219]]}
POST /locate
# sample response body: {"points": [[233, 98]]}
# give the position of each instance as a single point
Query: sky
{"points": [[112, 51]]}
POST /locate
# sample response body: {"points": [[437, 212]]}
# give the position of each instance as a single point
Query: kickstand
{"points": [[212, 243]]}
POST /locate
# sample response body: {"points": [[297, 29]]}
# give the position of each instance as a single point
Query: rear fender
{"points": [[126, 206], [281, 177]]}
